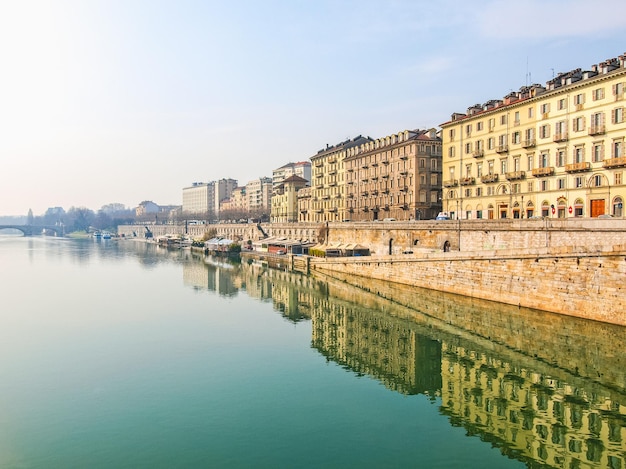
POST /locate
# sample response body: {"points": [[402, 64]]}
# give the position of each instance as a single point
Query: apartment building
{"points": [[301, 169], [285, 200], [394, 177], [327, 198], [259, 193], [199, 198], [550, 151]]}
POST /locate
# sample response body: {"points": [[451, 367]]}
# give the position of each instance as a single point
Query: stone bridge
{"points": [[30, 230]]}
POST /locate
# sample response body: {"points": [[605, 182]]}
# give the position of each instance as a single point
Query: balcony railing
{"points": [[468, 181], [615, 162], [451, 183], [487, 178], [502, 148], [540, 172], [529, 143], [597, 130], [561, 137], [514, 175], [478, 153], [578, 167]]}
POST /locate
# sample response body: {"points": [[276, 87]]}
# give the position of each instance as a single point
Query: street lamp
{"points": [[458, 225]]}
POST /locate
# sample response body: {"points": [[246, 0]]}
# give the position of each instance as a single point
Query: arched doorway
{"points": [[617, 207]]}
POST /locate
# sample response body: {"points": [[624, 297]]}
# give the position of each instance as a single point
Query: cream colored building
{"points": [[328, 183], [259, 193], [553, 151], [285, 200], [394, 177]]}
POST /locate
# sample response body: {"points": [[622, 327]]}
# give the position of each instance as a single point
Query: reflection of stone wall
{"points": [[533, 416], [574, 348]]}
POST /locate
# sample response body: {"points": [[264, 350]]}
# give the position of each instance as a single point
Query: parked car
{"points": [[443, 216]]}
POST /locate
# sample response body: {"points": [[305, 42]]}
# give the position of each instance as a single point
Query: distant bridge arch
{"points": [[30, 230]]}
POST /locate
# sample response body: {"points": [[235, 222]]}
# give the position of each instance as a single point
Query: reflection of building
{"points": [[553, 151], [371, 342], [504, 390], [534, 417]]}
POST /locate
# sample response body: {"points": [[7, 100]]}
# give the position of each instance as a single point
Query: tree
{"points": [[80, 218]]}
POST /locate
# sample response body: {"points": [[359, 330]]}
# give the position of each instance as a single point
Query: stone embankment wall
{"points": [[575, 281]]}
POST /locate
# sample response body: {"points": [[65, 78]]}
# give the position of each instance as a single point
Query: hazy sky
{"points": [[130, 100]]}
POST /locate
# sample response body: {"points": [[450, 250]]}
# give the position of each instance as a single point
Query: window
{"points": [[561, 104], [479, 169], [503, 119], [490, 165], [529, 136], [618, 149], [516, 138], [422, 179], [433, 197], [578, 124], [531, 112], [578, 181], [545, 186], [545, 108], [433, 179], [490, 143], [618, 115], [516, 118], [531, 159], [516, 188], [468, 129], [451, 152], [598, 152], [516, 164], [531, 186], [468, 170], [560, 129], [598, 94], [492, 123], [423, 197], [468, 148], [618, 179], [451, 133], [544, 160], [560, 158], [579, 154], [560, 183], [468, 192], [503, 166], [422, 163], [618, 90], [479, 125], [479, 192], [579, 99], [544, 131], [433, 165], [597, 180]]}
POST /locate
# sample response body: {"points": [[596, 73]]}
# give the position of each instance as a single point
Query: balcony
{"points": [[451, 183], [332, 172], [561, 137], [515, 175], [541, 172], [319, 164], [578, 167], [487, 178], [404, 206], [615, 162], [385, 162], [404, 173], [386, 208], [468, 181], [365, 194], [404, 157], [597, 130], [529, 143], [405, 189], [364, 166], [502, 148], [478, 154], [351, 196]]}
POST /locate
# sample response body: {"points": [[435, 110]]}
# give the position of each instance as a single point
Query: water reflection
{"points": [[545, 389]]}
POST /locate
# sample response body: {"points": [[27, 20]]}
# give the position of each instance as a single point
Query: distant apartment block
{"points": [[259, 193], [552, 151], [205, 198], [285, 200]]}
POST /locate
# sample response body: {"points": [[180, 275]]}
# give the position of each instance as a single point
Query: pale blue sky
{"points": [[107, 101]]}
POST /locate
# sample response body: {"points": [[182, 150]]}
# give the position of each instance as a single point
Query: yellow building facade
{"points": [[549, 151]]}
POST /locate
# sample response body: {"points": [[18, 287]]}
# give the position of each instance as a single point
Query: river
{"points": [[123, 354]]}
